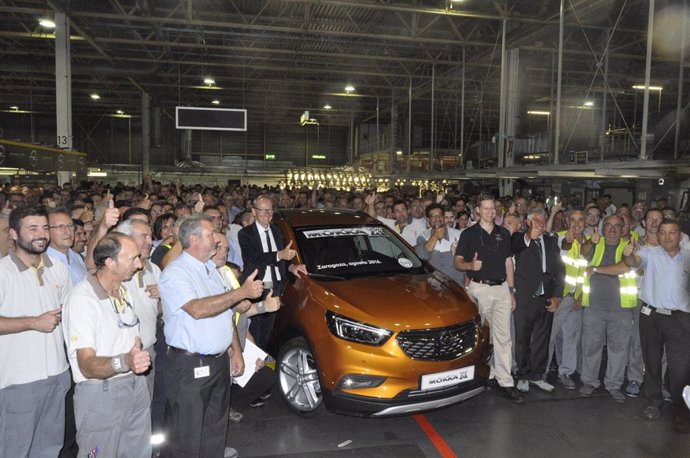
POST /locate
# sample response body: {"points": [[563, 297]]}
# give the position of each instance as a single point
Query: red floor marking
{"points": [[443, 449]]}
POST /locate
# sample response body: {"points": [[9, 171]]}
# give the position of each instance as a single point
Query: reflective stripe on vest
{"points": [[575, 266], [627, 281]]}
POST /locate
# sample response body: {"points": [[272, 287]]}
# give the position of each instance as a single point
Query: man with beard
{"points": [[402, 223], [111, 399], [80, 237], [61, 241], [6, 241], [437, 244], [33, 368]]}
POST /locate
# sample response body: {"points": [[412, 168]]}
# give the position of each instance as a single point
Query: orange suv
{"points": [[373, 330]]}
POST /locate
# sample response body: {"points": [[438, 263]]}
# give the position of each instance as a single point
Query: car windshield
{"points": [[339, 253]]}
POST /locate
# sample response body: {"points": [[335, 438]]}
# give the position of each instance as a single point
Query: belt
{"points": [[489, 282], [661, 311], [189, 353]]}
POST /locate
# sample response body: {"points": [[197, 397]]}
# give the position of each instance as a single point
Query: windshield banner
{"points": [[345, 232]]}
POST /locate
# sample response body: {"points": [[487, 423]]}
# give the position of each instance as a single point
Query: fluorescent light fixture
{"points": [[209, 81], [318, 156], [119, 112], [270, 157], [98, 174], [539, 113], [588, 103], [95, 96], [215, 102], [399, 153], [14, 107], [327, 107], [47, 23], [640, 87], [349, 88]]}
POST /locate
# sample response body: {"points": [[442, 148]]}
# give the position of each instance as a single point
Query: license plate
{"points": [[447, 378]]}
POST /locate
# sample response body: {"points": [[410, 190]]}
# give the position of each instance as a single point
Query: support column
{"points": [[145, 134], [462, 113], [557, 120], [679, 101], [500, 144], [605, 96], [409, 126], [394, 121], [63, 81], [647, 77], [433, 118]]}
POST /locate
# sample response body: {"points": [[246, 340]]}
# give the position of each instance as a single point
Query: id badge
{"points": [[201, 372], [645, 310]]}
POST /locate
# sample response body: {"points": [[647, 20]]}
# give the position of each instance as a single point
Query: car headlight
{"points": [[355, 331]]}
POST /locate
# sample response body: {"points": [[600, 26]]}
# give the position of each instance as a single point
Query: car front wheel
{"points": [[299, 377]]}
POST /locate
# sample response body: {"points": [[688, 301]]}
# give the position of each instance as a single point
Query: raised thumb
{"points": [[137, 343], [476, 256], [111, 204]]}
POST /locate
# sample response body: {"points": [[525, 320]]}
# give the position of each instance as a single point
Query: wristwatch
{"points": [[513, 290], [594, 270]]}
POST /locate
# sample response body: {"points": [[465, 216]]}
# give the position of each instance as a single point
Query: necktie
{"points": [[540, 290], [270, 249]]}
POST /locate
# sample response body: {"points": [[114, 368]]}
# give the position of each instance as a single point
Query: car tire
{"points": [[298, 377]]}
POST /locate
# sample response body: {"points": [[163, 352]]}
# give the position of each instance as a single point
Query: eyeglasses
{"points": [[62, 227], [126, 318]]}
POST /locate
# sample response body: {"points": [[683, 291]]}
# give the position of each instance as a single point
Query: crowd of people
{"points": [[100, 284]]}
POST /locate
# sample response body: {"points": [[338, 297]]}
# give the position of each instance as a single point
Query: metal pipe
{"points": [[647, 78], [679, 101], [557, 121]]}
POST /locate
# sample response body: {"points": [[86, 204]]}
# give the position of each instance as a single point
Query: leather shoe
{"points": [[653, 410], [510, 393]]}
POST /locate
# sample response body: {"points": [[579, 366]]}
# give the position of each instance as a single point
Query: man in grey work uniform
{"points": [[111, 399], [33, 368]]}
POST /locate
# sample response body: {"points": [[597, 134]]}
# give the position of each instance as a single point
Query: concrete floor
{"points": [[557, 424]]}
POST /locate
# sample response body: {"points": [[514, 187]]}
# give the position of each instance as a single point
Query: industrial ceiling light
{"points": [[327, 107], [588, 103], [47, 23], [349, 88], [640, 87], [119, 112], [95, 96], [539, 113], [209, 81], [215, 102], [14, 107]]}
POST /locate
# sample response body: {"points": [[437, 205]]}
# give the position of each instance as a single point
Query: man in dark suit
{"points": [[539, 282], [263, 249]]}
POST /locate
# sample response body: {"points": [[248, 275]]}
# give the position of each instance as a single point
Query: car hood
{"points": [[400, 302]]}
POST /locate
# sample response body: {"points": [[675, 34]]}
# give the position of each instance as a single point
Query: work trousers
{"points": [[532, 332], [635, 370], [32, 417], [565, 345], [151, 374], [495, 307], [113, 416], [611, 329], [196, 409], [672, 332]]}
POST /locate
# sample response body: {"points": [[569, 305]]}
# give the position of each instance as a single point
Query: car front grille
{"points": [[441, 344]]}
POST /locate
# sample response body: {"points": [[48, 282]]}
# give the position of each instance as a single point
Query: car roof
{"points": [[323, 217]]}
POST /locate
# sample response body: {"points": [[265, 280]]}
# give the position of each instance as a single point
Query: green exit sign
{"points": [[270, 157]]}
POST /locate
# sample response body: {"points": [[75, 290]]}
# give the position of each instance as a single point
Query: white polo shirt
{"points": [[145, 307], [90, 320], [410, 232], [24, 291]]}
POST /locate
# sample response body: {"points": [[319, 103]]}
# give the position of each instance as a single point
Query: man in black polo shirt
{"points": [[484, 252]]}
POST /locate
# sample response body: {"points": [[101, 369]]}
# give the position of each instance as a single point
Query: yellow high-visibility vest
{"points": [[628, 280], [575, 265]]}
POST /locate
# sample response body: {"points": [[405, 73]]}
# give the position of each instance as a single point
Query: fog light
{"points": [[157, 439], [356, 381]]}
